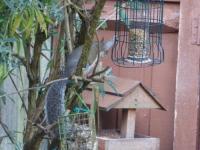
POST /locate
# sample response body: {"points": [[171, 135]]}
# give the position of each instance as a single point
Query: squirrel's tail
{"points": [[55, 103]]}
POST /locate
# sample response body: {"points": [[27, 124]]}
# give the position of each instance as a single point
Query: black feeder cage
{"points": [[138, 33]]}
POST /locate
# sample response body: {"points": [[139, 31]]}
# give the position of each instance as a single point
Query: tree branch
{"points": [[57, 55], [27, 49], [35, 61], [89, 37]]}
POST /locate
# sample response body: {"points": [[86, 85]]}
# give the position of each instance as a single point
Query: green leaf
{"points": [[101, 89], [21, 76], [18, 45], [112, 85], [49, 65], [41, 20], [81, 100], [103, 24], [3, 72], [28, 23], [8, 40], [16, 23], [48, 19]]}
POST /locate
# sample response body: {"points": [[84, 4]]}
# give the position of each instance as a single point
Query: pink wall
{"points": [[161, 79]]}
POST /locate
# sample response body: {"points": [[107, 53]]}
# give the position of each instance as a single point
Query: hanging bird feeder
{"points": [[138, 33]]}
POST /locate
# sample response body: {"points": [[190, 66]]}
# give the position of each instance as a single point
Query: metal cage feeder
{"points": [[77, 131], [138, 33]]}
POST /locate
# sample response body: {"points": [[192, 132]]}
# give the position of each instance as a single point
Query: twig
{"points": [[45, 56], [98, 55], [25, 62], [106, 19], [33, 88], [98, 73], [21, 59], [77, 8], [2, 137], [49, 83], [5, 128], [45, 129], [27, 49], [22, 100], [67, 29]]}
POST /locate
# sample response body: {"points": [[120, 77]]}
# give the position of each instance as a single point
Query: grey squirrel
{"points": [[54, 99]]}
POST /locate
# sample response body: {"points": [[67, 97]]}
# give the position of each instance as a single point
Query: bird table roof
{"points": [[128, 94]]}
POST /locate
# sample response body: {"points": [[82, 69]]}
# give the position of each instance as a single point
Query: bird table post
{"points": [[128, 123]]}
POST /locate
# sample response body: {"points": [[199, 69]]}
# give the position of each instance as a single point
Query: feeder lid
{"points": [[128, 94]]}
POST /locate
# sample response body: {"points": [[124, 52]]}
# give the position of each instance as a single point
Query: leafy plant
{"points": [[25, 28]]}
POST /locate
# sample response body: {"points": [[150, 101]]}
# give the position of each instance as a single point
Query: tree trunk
{"points": [[35, 141], [33, 137]]}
